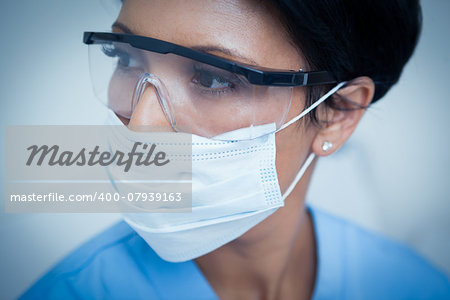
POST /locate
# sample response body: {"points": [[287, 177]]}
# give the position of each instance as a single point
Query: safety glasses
{"points": [[198, 92]]}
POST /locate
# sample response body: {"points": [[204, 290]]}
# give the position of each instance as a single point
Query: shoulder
{"points": [[119, 264], [98, 268], [366, 264]]}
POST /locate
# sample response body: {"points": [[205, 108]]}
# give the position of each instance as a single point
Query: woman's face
{"points": [[238, 30]]}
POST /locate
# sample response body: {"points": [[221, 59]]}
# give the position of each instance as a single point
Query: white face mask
{"points": [[230, 194]]}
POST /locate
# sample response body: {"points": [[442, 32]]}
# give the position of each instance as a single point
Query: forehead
{"points": [[244, 26]]}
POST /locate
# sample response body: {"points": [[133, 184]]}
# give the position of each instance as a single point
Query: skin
{"points": [[277, 258]]}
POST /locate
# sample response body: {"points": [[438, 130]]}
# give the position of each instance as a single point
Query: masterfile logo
{"points": [[97, 169]]}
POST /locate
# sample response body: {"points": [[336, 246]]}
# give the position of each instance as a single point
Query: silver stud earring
{"points": [[327, 146]]}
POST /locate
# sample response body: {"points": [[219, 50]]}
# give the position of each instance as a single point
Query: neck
{"points": [[274, 260]]}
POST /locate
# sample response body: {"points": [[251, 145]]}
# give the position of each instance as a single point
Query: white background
{"points": [[392, 177]]}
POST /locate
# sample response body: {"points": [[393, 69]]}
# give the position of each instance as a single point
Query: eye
{"points": [[213, 81], [124, 59]]}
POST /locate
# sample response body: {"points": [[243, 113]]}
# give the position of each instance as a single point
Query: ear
{"points": [[342, 121]]}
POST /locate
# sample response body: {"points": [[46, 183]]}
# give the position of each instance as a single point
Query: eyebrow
{"points": [[201, 48]]}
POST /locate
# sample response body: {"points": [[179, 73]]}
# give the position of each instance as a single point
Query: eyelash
{"points": [[115, 52], [213, 91]]}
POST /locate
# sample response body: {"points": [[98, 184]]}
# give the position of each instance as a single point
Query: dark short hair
{"points": [[352, 38]]}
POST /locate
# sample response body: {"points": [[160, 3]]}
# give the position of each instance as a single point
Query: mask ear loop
{"points": [[299, 175], [313, 106], [311, 156]]}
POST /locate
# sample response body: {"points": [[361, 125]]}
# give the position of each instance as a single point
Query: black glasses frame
{"points": [[257, 76]]}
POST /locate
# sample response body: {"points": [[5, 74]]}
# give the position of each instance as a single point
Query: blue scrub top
{"points": [[352, 264]]}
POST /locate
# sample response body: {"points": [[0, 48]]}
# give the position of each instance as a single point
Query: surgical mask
{"points": [[230, 193]]}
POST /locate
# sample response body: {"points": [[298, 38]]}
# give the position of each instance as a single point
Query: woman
{"points": [[289, 78]]}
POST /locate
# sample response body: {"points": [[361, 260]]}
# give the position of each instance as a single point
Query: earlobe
{"points": [[328, 139], [351, 104]]}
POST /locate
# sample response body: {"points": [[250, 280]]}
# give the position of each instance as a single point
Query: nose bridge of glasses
{"points": [[150, 104]]}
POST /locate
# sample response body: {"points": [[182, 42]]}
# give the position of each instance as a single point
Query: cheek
{"points": [[293, 143], [120, 94], [293, 147]]}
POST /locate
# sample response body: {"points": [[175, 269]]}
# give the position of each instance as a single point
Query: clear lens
{"points": [[195, 97]]}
